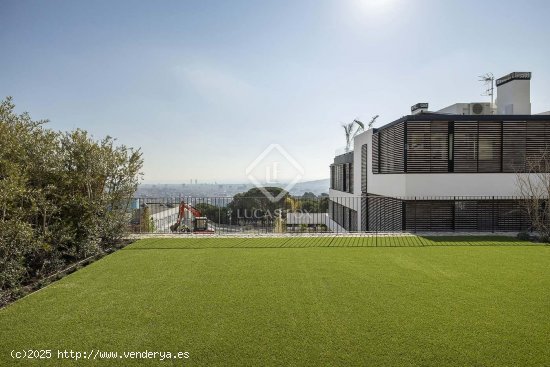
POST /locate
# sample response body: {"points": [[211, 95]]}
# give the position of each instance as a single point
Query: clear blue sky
{"points": [[203, 87]]}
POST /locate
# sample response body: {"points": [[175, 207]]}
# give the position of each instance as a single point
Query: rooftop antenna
{"points": [[489, 82]]}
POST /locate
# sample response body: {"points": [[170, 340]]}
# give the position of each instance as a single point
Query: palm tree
{"points": [[353, 128]]}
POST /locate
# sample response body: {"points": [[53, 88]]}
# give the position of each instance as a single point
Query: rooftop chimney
{"points": [[514, 94], [419, 108]]}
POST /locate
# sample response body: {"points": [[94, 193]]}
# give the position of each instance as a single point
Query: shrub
{"points": [[16, 246], [524, 236], [63, 197]]}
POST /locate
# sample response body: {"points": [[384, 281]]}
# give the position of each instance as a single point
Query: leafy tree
{"points": [[16, 246], [213, 213], [63, 197], [310, 205], [323, 204], [146, 220], [255, 199], [254, 206]]}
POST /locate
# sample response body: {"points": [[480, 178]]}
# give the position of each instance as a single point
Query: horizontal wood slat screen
{"points": [[375, 156], [439, 145], [445, 214], [340, 212], [418, 147], [384, 214], [465, 147], [490, 147], [484, 147], [513, 152], [537, 144], [350, 177], [364, 214], [392, 155], [364, 158], [428, 147], [341, 177], [465, 216]]}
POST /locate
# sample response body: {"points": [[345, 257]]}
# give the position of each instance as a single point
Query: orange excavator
{"points": [[200, 223]]}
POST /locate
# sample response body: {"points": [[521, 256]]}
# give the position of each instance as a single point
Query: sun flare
{"points": [[377, 6]]}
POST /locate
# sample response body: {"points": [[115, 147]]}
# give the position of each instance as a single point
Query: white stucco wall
{"points": [[461, 184], [164, 219], [516, 93]]}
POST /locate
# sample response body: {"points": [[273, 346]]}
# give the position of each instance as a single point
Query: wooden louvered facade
{"points": [[364, 213], [513, 146], [465, 215], [375, 153], [383, 214], [427, 148], [465, 147], [418, 147], [364, 167], [487, 146], [450, 214], [340, 212], [391, 149], [537, 142], [387, 214], [439, 146]]}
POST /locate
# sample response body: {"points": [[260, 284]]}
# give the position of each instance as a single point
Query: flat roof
{"points": [[517, 75], [424, 117]]}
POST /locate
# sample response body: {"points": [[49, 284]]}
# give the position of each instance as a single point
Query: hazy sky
{"points": [[203, 87]]}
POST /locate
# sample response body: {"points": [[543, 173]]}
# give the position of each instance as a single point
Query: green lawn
{"points": [[477, 301]]}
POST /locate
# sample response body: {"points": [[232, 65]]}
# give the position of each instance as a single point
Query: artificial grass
{"points": [[298, 301], [328, 241]]}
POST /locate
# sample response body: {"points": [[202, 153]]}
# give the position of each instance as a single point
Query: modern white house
{"points": [[454, 169]]}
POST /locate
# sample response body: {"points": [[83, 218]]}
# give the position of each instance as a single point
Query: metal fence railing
{"points": [[324, 214]]}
